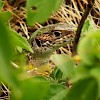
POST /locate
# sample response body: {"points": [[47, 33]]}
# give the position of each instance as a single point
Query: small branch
{"points": [[78, 32]]}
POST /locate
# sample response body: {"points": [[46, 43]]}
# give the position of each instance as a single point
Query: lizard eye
{"points": [[57, 33], [38, 42]]}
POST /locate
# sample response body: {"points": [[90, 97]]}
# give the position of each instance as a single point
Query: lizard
{"points": [[46, 40]]}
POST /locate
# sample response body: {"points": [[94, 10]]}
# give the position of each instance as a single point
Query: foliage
{"points": [[65, 64], [36, 12], [85, 76]]}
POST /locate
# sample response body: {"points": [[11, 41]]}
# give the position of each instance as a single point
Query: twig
{"points": [[78, 32]]}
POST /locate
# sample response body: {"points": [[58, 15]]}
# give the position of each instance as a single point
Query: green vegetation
{"points": [[84, 77]]}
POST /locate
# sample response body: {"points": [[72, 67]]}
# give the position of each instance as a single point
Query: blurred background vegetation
{"points": [[80, 81]]}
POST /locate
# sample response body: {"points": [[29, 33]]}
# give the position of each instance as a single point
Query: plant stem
{"points": [[78, 32]]}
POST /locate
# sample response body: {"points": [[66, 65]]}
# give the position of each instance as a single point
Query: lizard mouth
{"points": [[38, 42]]}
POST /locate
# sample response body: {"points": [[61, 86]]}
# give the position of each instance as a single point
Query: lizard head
{"points": [[50, 38]]}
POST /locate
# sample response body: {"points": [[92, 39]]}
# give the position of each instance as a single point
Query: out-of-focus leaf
{"points": [[19, 49], [1, 4], [89, 48], [32, 89], [6, 73], [81, 72], [86, 89], [57, 5], [65, 64], [19, 59], [56, 92], [5, 52], [18, 40], [40, 10], [60, 95], [95, 72], [5, 16]]}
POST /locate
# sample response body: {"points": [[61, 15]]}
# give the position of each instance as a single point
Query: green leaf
{"points": [[57, 5], [19, 58], [1, 5], [89, 48], [86, 89], [19, 49], [81, 72], [18, 40], [60, 95], [5, 16], [6, 52], [56, 92], [95, 72], [88, 26], [65, 64], [32, 89], [40, 10], [56, 74], [40, 78]]}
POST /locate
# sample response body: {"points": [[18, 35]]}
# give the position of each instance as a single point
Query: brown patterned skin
{"points": [[46, 40]]}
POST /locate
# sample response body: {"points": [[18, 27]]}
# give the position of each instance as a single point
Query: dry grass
{"points": [[4, 92]]}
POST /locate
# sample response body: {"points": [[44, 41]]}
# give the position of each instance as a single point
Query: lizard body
{"points": [[46, 40]]}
